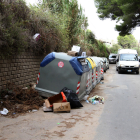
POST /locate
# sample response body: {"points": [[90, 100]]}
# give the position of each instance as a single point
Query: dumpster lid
{"points": [[48, 58], [79, 65]]}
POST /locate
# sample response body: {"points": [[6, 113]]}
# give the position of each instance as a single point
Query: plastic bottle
{"points": [[95, 102], [87, 101]]}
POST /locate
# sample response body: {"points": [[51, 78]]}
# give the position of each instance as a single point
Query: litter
{"points": [[96, 98], [34, 110], [102, 82], [87, 101], [86, 97], [58, 98], [72, 98], [4, 112], [95, 102], [61, 107], [47, 109], [19, 100]]}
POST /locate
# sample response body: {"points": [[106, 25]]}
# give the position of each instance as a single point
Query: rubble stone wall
{"points": [[21, 70]]}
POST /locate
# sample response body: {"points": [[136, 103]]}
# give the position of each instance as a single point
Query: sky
{"points": [[103, 29]]}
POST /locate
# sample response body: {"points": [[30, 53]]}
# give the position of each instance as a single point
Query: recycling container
{"points": [[98, 69], [89, 76], [93, 74], [59, 70], [102, 67]]}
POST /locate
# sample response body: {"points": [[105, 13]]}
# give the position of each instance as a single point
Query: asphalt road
{"points": [[120, 119]]}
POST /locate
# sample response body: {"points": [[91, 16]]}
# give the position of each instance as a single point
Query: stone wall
{"points": [[21, 70]]}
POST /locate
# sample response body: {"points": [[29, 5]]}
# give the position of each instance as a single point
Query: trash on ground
{"points": [[61, 107], [86, 97], [19, 100], [58, 98], [96, 99], [4, 112], [72, 98], [56, 103], [95, 102], [33, 85], [25, 88], [47, 109], [62, 102], [102, 82], [34, 110], [87, 101]]}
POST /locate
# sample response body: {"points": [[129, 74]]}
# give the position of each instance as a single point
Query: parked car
{"points": [[112, 58], [106, 63]]}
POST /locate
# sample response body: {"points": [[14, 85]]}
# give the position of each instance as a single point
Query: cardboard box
{"points": [[61, 107], [59, 98], [72, 53]]}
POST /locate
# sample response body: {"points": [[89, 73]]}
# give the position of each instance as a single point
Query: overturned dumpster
{"points": [[59, 70]]}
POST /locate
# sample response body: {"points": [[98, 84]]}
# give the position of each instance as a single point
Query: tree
{"points": [[90, 37], [127, 41], [73, 18], [128, 11], [114, 48]]}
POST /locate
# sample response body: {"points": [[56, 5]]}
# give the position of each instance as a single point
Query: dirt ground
{"points": [[78, 124]]}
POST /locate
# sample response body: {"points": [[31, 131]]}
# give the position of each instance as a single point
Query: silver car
{"points": [[106, 63]]}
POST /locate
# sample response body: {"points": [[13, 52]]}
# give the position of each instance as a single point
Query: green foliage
{"points": [[73, 17], [61, 24], [127, 41], [114, 48], [90, 37], [128, 11], [13, 36], [97, 49]]}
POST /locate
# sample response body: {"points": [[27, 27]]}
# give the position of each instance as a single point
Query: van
{"points": [[127, 60]]}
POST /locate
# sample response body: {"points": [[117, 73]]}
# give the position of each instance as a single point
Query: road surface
{"points": [[120, 119]]}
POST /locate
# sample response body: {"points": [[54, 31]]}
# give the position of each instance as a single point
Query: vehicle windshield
{"points": [[112, 56], [128, 57]]}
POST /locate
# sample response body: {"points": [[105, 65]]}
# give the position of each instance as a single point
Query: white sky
{"points": [[103, 29]]}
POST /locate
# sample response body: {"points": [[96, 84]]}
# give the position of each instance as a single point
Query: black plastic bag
{"points": [[72, 98]]}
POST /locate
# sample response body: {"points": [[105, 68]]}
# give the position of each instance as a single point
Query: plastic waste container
{"points": [[93, 74], [105, 63], [59, 70], [98, 69], [90, 75], [102, 67]]}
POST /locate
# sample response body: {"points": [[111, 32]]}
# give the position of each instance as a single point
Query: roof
{"points": [[127, 51]]}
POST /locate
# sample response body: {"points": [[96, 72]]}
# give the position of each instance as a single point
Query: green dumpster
{"points": [[59, 70]]}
